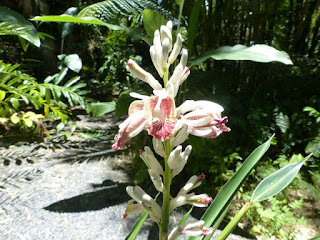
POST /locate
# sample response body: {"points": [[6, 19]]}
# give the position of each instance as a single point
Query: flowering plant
{"points": [[170, 126]]}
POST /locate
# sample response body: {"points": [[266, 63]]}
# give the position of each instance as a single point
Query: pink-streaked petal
{"points": [[160, 117], [131, 127], [136, 106]]}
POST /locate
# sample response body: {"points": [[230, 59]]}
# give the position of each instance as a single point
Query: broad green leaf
{"points": [[256, 53], [137, 226], [228, 191], [100, 108], [68, 27], [2, 95], [73, 62], [14, 119], [90, 20], [315, 238], [28, 122], [14, 17], [15, 103], [277, 181], [152, 21], [67, 18]]}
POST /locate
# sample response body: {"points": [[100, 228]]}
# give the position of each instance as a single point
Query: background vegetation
{"points": [[259, 98]]}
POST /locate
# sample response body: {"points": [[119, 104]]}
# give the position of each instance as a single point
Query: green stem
{"points": [[164, 226], [234, 222]]}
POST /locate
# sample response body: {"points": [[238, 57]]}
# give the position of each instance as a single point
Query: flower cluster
{"points": [[170, 126]]}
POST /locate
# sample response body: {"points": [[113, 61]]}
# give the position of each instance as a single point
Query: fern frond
{"points": [[110, 10]]}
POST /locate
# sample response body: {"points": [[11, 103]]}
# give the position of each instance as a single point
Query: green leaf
{"points": [[73, 62], [137, 226], [67, 18], [14, 119], [30, 34], [228, 191], [314, 146], [60, 126], [68, 27], [185, 217], [61, 75], [100, 108], [152, 21], [73, 126], [15, 103], [2, 95], [277, 181], [28, 122], [193, 26], [72, 81], [256, 53], [315, 238]]}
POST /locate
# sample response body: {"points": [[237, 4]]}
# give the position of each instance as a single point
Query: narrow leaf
{"points": [[256, 53], [137, 226], [72, 81], [185, 217], [277, 181], [228, 191]]}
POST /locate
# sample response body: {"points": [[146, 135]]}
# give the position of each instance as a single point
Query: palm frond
{"points": [[111, 10]]}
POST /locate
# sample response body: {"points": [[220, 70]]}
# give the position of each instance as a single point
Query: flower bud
{"points": [[132, 208], [174, 158], [158, 147], [156, 179], [166, 33], [195, 228], [181, 136], [165, 52], [169, 25], [184, 58], [176, 49], [201, 200], [193, 182], [138, 72], [138, 194], [156, 60], [184, 157], [185, 75], [149, 159], [177, 74]]}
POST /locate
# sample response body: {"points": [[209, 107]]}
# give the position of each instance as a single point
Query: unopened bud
{"points": [[138, 72], [193, 182], [165, 52], [174, 158], [201, 200], [166, 33], [195, 228], [177, 74], [184, 157], [132, 208], [181, 136], [149, 159], [176, 49], [158, 147], [184, 58], [156, 179]]}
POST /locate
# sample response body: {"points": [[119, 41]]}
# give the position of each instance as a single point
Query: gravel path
{"points": [[74, 190]]}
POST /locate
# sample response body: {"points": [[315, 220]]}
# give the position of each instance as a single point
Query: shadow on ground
{"points": [[111, 194]]}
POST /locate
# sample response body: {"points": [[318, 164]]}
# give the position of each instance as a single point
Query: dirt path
{"points": [[66, 189]]}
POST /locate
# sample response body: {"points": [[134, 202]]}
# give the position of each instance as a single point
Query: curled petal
{"points": [[132, 208], [160, 117], [131, 127], [176, 49]]}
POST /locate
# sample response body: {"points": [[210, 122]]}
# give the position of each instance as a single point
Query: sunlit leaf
{"points": [[152, 21], [228, 191], [14, 17], [256, 53], [100, 108], [2, 95], [277, 181], [137, 226]]}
